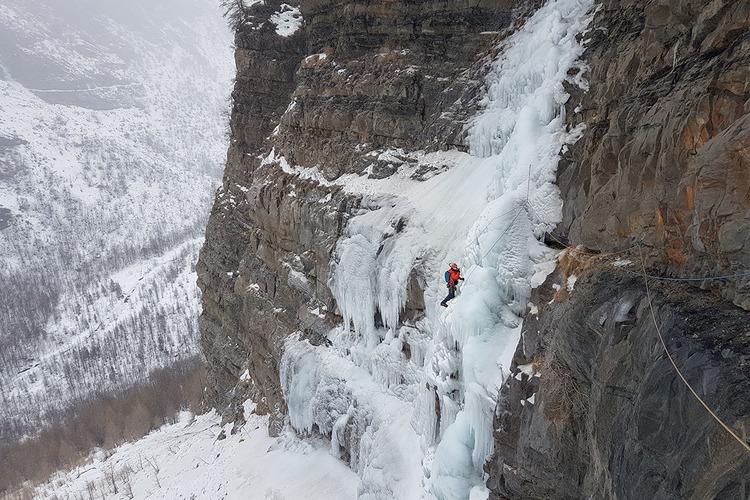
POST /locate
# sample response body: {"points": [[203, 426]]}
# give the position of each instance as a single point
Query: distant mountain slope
{"points": [[112, 138]]}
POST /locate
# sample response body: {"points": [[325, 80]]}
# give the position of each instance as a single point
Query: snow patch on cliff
{"points": [[288, 20]]}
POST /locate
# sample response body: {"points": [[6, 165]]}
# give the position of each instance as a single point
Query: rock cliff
{"points": [[596, 410], [664, 162], [661, 170], [359, 78], [665, 158]]}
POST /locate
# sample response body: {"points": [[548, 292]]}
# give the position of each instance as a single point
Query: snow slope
{"points": [[186, 460]]}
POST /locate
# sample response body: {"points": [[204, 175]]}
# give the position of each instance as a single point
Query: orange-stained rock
{"points": [[665, 157]]}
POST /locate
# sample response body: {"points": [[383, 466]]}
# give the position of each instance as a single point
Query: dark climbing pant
{"points": [[451, 294]]}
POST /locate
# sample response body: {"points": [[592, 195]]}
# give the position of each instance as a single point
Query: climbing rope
{"points": [[476, 240], [528, 206], [638, 246], [586, 252], [510, 225], [710, 278], [646, 277], [502, 234], [651, 276], [674, 365], [524, 205]]}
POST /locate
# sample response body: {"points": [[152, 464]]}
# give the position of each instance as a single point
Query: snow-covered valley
{"points": [[112, 139], [186, 460]]}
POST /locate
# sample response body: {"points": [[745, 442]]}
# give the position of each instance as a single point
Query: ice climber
{"points": [[452, 277]]}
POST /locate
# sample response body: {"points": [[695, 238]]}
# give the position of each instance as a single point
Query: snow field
{"points": [[186, 460]]}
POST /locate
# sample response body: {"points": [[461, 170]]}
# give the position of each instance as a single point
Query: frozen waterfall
{"points": [[420, 425]]}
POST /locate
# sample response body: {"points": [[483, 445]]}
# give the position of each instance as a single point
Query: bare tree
{"points": [[127, 485], [111, 477], [90, 489], [152, 462]]}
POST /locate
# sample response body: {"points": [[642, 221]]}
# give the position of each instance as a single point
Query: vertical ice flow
{"points": [[520, 132]]}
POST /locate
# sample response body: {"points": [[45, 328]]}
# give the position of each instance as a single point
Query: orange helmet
{"points": [[454, 266]]}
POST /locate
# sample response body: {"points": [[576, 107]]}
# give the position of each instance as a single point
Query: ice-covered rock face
{"points": [[428, 414], [323, 97]]}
